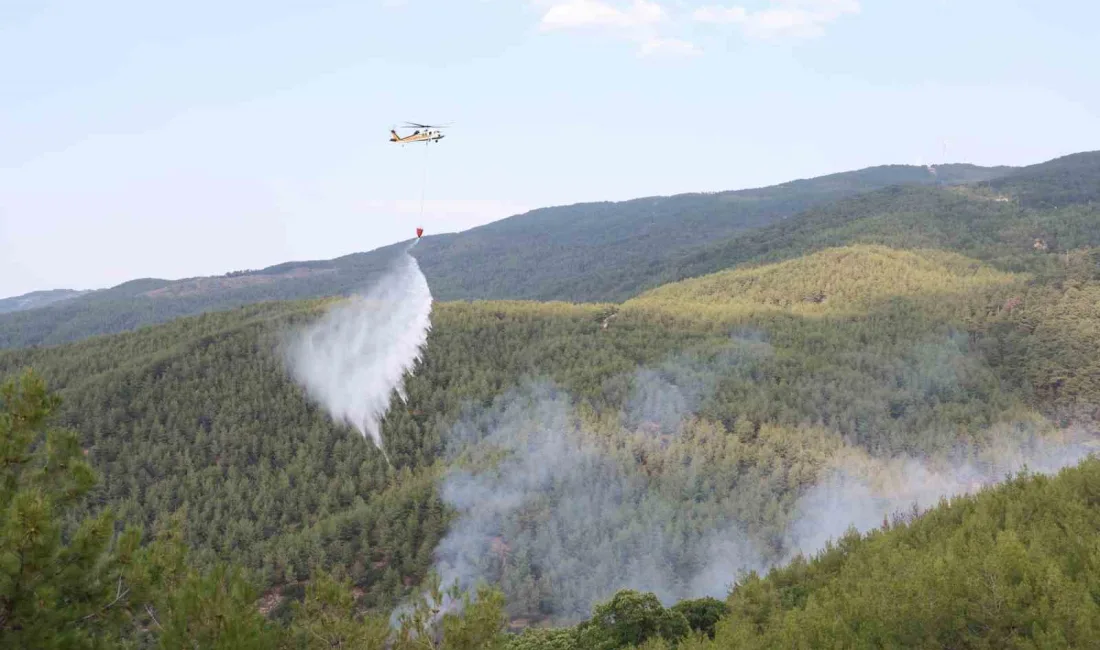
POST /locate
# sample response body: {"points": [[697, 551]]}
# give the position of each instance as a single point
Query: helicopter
{"points": [[423, 133]]}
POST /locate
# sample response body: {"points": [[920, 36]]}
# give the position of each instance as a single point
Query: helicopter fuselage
{"points": [[417, 136]]}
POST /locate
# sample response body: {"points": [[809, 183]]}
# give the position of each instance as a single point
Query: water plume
{"points": [[354, 358]]}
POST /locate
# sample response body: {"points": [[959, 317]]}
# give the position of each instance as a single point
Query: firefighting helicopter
{"points": [[427, 134], [423, 133]]}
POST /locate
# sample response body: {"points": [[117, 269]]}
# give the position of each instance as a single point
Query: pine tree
{"points": [[54, 592]]}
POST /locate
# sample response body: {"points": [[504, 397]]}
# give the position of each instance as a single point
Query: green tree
{"points": [[58, 588], [702, 614], [631, 618], [449, 619], [76, 584], [215, 610], [545, 639], [327, 618]]}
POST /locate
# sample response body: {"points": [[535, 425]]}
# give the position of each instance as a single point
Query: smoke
{"points": [[562, 515], [353, 358], [553, 513], [861, 492], [539, 501], [664, 396]]}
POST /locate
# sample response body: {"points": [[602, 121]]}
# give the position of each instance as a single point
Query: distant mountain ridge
{"points": [[588, 252], [1053, 205], [36, 299], [604, 251]]}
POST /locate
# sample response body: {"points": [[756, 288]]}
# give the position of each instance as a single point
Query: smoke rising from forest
{"points": [[562, 513], [862, 492], [354, 358], [663, 396]]}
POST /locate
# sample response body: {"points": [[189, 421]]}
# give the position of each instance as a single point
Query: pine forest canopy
{"points": [[864, 341]]}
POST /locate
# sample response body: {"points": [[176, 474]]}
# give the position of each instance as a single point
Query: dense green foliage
{"points": [[199, 414], [1010, 567], [1059, 182], [68, 584], [72, 582], [749, 393], [1026, 220], [702, 614], [606, 251], [635, 454], [585, 252], [1013, 566]]}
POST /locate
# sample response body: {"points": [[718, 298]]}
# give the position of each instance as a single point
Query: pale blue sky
{"points": [[144, 139]]}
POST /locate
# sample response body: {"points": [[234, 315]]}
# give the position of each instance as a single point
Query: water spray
{"points": [[354, 358]]}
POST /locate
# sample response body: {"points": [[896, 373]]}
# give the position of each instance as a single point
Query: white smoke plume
{"points": [[662, 397], [524, 457], [561, 522], [861, 492], [353, 358]]}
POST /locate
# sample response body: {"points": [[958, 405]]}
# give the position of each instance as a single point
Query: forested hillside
{"points": [[585, 252], [890, 348], [36, 299], [1015, 222], [611, 251], [660, 444], [1012, 566], [606, 251], [150, 301], [1009, 567], [1059, 182]]}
